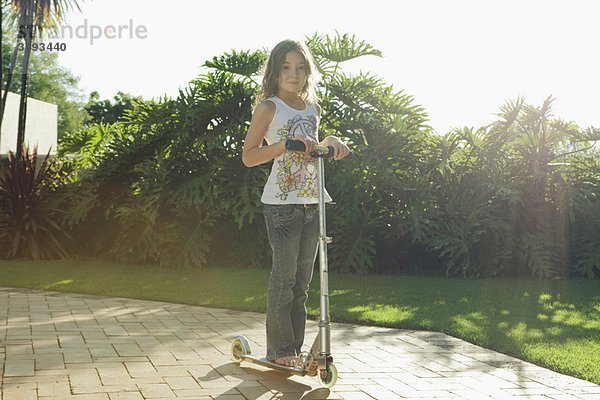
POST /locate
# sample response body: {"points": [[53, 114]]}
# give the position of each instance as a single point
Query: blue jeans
{"points": [[293, 231]]}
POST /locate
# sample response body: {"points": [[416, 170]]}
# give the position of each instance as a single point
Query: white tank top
{"points": [[293, 178]]}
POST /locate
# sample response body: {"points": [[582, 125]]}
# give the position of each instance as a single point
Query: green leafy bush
{"points": [[165, 184]]}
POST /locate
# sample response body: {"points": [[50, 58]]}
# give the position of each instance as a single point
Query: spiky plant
{"points": [[28, 215]]}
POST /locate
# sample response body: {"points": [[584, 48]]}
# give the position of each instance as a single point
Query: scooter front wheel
{"points": [[239, 349], [328, 377]]}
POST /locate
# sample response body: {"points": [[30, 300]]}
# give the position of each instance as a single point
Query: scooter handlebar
{"points": [[318, 152]]}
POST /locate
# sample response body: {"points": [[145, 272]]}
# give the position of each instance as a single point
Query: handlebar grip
{"points": [[319, 151]]}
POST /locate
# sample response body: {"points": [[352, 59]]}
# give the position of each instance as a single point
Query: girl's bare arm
{"points": [[254, 153]]}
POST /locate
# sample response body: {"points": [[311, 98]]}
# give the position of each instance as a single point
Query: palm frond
{"points": [[340, 48], [46, 15], [245, 63]]}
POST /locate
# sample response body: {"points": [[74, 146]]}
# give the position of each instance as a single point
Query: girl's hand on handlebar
{"points": [[340, 150], [309, 143]]}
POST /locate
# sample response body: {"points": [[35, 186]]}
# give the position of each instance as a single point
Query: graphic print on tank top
{"points": [[295, 171]]}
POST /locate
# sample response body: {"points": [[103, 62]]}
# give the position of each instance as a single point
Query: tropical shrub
{"points": [[388, 134], [504, 201], [165, 183], [158, 183], [28, 215], [582, 176]]}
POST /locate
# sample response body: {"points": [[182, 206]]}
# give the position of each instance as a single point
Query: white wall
{"points": [[41, 125]]}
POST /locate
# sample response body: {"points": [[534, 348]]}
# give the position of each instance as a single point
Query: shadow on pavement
{"points": [[255, 383]]}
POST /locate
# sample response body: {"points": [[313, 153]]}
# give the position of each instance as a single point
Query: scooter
{"points": [[318, 361]]}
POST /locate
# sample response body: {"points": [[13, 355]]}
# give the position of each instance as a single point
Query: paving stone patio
{"points": [[70, 346]]}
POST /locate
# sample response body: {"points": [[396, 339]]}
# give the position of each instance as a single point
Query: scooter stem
{"points": [[324, 327]]}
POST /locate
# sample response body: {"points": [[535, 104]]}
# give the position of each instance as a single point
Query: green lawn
{"points": [[551, 323]]}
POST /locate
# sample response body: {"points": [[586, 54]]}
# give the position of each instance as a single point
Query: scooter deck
{"points": [[270, 364]]}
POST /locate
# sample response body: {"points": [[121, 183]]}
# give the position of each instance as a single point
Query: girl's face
{"points": [[293, 74]]}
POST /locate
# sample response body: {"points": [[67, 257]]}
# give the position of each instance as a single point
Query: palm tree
{"points": [[35, 18], [4, 8]]}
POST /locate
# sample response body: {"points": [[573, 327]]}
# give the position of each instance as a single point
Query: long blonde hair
{"points": [[273, 67]]}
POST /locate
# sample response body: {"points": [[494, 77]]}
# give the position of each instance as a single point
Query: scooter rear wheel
{"points": [[328, 377], [239, 349]]}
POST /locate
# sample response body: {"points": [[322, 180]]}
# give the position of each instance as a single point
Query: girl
{"points": [[287, 109]]}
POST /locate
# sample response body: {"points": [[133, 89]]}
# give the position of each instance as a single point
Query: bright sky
{"points": [[460, 59]]}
